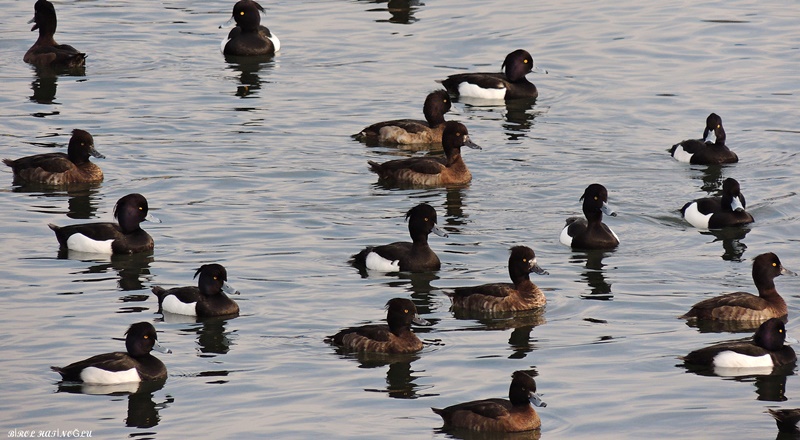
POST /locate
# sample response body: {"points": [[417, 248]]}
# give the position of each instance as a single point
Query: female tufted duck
{"points": [[60, 168], [511, 84], [135, 365], [207, 299], [591, 232], [431, 171], [249, 38], [412, 131], [513, 415], [127, 237], [402, 255], [703, 151], [45, 52], [505, 297], [743, 306], [719, 212], [765, 350], [394, 338]]}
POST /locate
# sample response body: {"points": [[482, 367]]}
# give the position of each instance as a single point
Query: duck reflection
{"points": [[731, 241], [132, 269], [594, 275], [522, 323], [712, 180], [787, 420], [468, 434], [142, 410], [212, 338], [769, 382], [82, 198], [400, 378], [518, 114], [402, 11], [454, 209], [45, 83], [248, 69]]}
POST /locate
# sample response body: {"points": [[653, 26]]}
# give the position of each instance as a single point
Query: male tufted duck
{"points": [[591, 232], [412, 131], [60, 168], [135, 365], [499, 415], [431, 171], [207, 299], [249, 38], [765, 350], [127, 237], [45, 52], [719, 212], [704, 151], [743, 306], [402, 255], [395, 338], [504, 297], [511, 84]]}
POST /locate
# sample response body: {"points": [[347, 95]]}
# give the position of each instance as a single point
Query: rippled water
{"points": [[252, 166]]}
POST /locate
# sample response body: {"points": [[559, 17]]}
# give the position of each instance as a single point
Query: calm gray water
{"points": [[251, 166]]}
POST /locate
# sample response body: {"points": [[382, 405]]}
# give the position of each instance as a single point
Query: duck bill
{"points": [[151, 218], [95, 153], [438, 231], [468, 142], [537, 401], [607, 210], [785, 271], [535, 268], [790, 340], [736, 204], [161, 349], [35, 26], [227, 288], [419, 321]]}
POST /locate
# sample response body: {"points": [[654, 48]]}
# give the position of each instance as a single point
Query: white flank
{"points": [[565, 238], [473, 91], [682, 155], [223, 44], [376, 262], [82, 243], [99, 376], [732, 359], [275, 41], [172, 304], [695, 217]]}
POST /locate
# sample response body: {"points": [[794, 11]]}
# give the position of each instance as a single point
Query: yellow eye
{"points": [[426, 218], [140, 208], [526, 61], [405, 310], [524, 260], [458, 134], [146, 337], [717, 125], [595, 197], [241, 13], [774, 264], [215, 278]]}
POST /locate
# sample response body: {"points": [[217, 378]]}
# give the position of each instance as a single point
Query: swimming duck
{"points": [[395, 338], [431, 171], [403, 256], [704, 151], [591, 232], [45, 52], [765, 350], [743, 306], [503, 297], [510, 84], [127, 237], [719, 212], [207, 299], [249, 38], [513, 415], [412, 131], [134, 365], [60, 168]]}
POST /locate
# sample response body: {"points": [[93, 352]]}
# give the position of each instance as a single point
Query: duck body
{"points": [[766, 349], [125, 237], [522, 294], [412, 131], [46, 52], [431, 171], [60, 168], [703, 151], [134, 365], [719, 212], [509, 84], [743, 306], [249, 37], [394, 338], [590, 232], [206, 299]]}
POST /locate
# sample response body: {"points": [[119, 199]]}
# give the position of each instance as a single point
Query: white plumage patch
{"points": [[376, 262], [82, 243], [695, 217], [473, 91], [172, 304], [275, 41], [732, 359], [682, 155], [104, 377], [223, 44], [565, 238]]}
